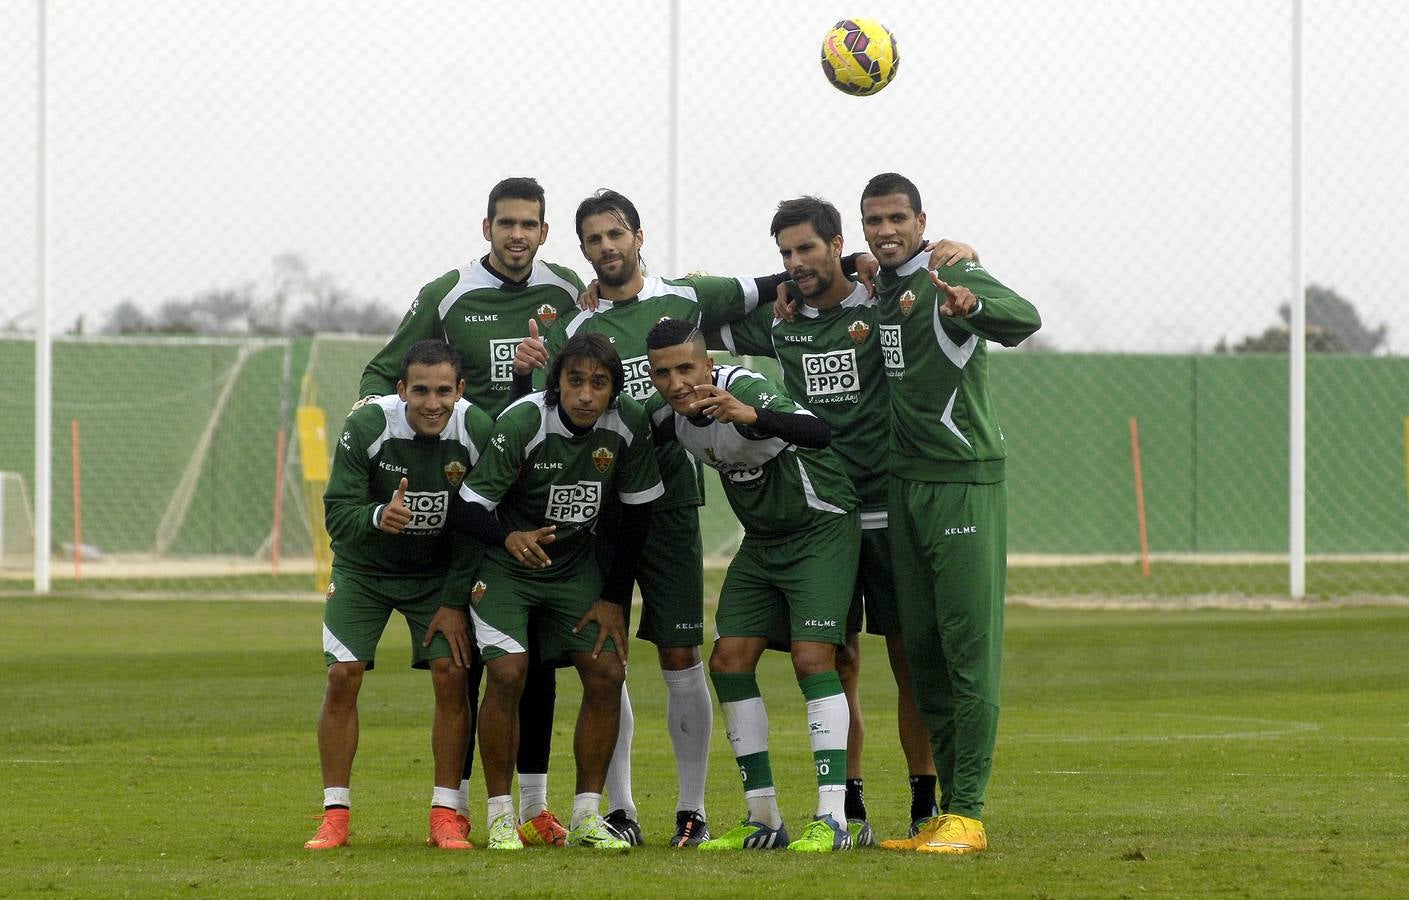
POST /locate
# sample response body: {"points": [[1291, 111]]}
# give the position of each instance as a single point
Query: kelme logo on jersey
{"points": [[859, 331], [454, 472], [501, 359], [602, 458], [574, 502], [547, 314], [428, 511], [477, 592], [830, 374], [892, 353], [638, 377]]}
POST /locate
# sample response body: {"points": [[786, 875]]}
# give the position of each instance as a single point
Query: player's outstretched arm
{"points": [[978, 304]]}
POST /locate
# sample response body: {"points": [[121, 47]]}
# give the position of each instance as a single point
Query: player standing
{"points": [[948, 496], [397, 464], [830, 358], [671, 574], [482, 310], [795, 568], [554, 458]]}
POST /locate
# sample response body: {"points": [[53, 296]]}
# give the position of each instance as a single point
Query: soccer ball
{"points": [[859, 56]]}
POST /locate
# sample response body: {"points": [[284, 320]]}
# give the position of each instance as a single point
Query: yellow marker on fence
{"points": [[313, 460]]}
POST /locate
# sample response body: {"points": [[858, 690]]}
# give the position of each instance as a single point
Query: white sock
{"points": [[763, 807], [747, 722], [584, 805], [446, 797], [497, 806], [689, 715], [828, 720], [533, 794], [618, 784], [463, 804], [338, 796]]}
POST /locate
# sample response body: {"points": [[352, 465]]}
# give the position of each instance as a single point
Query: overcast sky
{"points": [[1125, 165]]}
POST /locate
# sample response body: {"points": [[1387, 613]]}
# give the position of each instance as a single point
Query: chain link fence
{"points": [[265, 171]]}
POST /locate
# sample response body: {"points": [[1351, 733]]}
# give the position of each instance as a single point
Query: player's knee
{"points": [[812, 658], [674, 659], [449, 680], [505, 676], [344, 681]]}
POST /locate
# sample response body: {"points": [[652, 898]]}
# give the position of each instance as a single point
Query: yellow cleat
{"points": [[920, 833], [956, 835]]}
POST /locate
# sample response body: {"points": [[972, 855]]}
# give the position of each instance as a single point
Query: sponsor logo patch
{"points": [[574, 502], [429, 511], [638, 377], [501, 359], [892, 353], [602, 458], [830, 374], [455, 472]]}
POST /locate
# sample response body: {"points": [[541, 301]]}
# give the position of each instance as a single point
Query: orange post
{"points": [[1139, 498], [77, 505], [278, 502]]}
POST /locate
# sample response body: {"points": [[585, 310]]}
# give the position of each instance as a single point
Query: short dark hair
{"points": [[516, 189], [595, 347], [607, 200], [887, 183], [431, 352], [671, 332], [821, 215]]}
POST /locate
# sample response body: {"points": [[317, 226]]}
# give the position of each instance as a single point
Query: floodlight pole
{"points": [[1297, 356], [43, 360]]}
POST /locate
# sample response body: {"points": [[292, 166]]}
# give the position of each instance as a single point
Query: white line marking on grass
{"points": [[1280, 728], [31, 762]]}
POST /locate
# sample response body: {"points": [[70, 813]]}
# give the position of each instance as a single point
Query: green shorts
{"points": [[804, 580], [358, 607], [506, 594], [671, 577], [875, 587]]}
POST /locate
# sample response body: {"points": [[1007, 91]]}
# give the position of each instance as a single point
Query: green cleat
{"points": [[592, 832], [749, 836], [822, 835], [861, 833], [504, 833]]}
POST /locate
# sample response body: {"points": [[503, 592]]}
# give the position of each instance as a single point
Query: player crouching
{"points": [[553, 459], [398, 462]]}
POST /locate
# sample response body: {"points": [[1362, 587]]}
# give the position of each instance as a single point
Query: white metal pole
{"points": [[672, 163], [1297, 356], [43, 362]]}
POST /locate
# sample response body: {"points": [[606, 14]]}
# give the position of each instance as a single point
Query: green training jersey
{"points": [[775, 488], [483, 318], [831, 363], [706, 300], [943, 423], [536, 471], [378, 448]]}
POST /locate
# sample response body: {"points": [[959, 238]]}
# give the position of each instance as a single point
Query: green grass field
{"points": [[167, 748]]}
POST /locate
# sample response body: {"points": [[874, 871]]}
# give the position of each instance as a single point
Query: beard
{"points": [[627, 271]]}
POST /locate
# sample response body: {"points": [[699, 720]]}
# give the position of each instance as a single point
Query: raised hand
{"points": [[721, 405], [958, 301], [395, 516], [531, 353], [527, 546]]}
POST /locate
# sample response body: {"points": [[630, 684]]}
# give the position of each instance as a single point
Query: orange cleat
{"points": [[332, 833], [543, 830], [447, 832]]}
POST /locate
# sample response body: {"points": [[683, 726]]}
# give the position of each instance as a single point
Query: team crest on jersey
{"points": [[332, 586], [454, 472], [859, 331], [477, 592], [602, 458], [907, 302], [547, 314]]}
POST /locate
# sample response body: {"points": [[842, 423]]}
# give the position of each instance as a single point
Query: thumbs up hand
{"points": [[531, 353], [395, 516]]}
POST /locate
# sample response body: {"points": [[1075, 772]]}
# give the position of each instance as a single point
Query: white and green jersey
{"points": [[378, 448], [706, 300], [831, 363], [775, 488], [483, 318], [536, 471], [944, 427]]}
